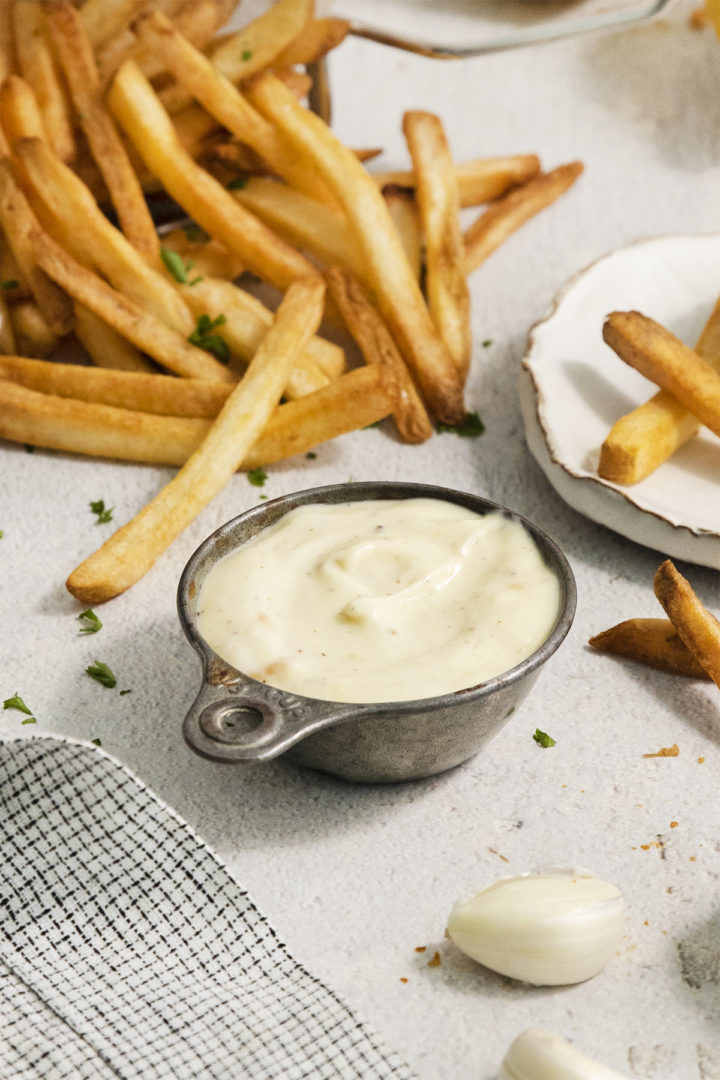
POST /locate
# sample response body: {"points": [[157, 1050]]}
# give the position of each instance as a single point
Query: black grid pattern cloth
{"points": [[127, 950]]}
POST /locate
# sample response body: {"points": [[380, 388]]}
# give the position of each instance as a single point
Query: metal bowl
{"points": [[237, 718]]}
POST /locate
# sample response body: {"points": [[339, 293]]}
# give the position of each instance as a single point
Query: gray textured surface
{"points": [[354, 878]]}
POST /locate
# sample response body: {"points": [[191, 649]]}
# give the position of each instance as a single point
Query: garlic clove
{"points": [[541, 1055], [548, 929]]}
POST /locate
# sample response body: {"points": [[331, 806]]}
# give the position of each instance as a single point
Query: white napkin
{"points": [[127, 950]]}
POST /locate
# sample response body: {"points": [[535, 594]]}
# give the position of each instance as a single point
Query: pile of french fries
{"points": [[106, 103], [689, 394], [686, 643]]}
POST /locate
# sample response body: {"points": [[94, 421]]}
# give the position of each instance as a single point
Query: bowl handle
{"points": [[249, 721]]}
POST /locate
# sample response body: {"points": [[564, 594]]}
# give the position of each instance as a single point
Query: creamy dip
{"points": [[382, 600]]}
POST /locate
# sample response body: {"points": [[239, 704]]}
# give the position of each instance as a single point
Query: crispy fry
{"points": [[7, 42], [403, 211], [18, 222], [37, 64], [75, 53], [150, 335], [136, 106], [257, 45], [104, 19], [511, 211], [106, 347], [642, 439], [10, 271], [478, 181], [699, 630], [33, 336], [367, 327], [658, 355], [437, 197], [131, 551], [72, 216], [218, 95], [359, 398], [388, 270], [317, 38], [650, 641], [19, 110]]}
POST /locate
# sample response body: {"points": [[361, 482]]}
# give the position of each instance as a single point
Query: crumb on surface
{"points": [[436, 961], [665, 751], [403, 979], [420, 948]]}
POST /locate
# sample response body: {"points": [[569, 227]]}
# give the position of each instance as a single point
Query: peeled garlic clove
{"points": [[548, 929], [540, 1055]]}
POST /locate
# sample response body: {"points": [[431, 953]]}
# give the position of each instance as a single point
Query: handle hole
{"points": [[240, 721], [231, 723]]}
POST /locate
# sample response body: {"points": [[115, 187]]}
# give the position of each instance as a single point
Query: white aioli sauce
{"points": [[380, 600]]}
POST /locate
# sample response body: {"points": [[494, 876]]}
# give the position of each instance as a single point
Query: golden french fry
{"points": [[257, 45], [355, 400], [699, 630], [70, 213], [37, 65], [650, 641], [33, 336], [388, 271], [658, 355], [11, 272], [403, 211], [438, 200], [7, 42], [136, 107], [478, 181], [132, 550], [131, 321], [105, 346], [317, 38], [75, 54], [218, 95], [367, 327], [511, 211], [104, 19], [19, 110], [19, 222], [642, 439]]}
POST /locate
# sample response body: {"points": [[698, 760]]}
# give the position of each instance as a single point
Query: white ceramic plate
{"points": [[573, 387]]}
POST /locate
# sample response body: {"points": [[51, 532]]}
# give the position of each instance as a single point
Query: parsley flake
{"points": [[102, 674], [90, 621], [16, 702], [470, 428], [29, 449], [543, 739], [369, 426], [487, 343], [11, 283], [195, 233], [123, 692], [96, 742], [104, 514], [257, 477], [175, 264], [2, 534], [237, 183], [311, 455], [29, 720], [203, 337], [246, 54]]}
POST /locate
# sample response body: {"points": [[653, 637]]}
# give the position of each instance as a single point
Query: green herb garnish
{"points": [[487, 343], [237, 183], [175, 264], [16, 702], [470, 428], [2, 534], [246, 54], [257, 477], [30, 720], [102, 674], [11, 283], [203, 337], [96, 742], [369, 426], [104, 514], [311, 455], [195, 233], [90, 621], [543, 739], [123, 692]]}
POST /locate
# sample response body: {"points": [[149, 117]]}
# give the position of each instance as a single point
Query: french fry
{"points": [[75, 54], [478, 181], [33, 336], [317, 38], [37, 65], [502, 218], [10, 271], [7, 335], [391, 278], [132, 550], [105, 19], [355, 400], [19, 110], [131, 321], [72, 216], [699, 630], [19, 222], [367, 327], [136, 107], [257, 45], [105, 346], [403, 211], [7, 43], [438, 200], [650, 641], [641, 440], [661, 357], [218, 95]]}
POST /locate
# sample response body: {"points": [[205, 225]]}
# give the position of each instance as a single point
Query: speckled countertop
{"points": [[356, 877]]}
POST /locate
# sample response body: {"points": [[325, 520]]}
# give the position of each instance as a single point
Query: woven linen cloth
{"points": [[127, 950]]}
